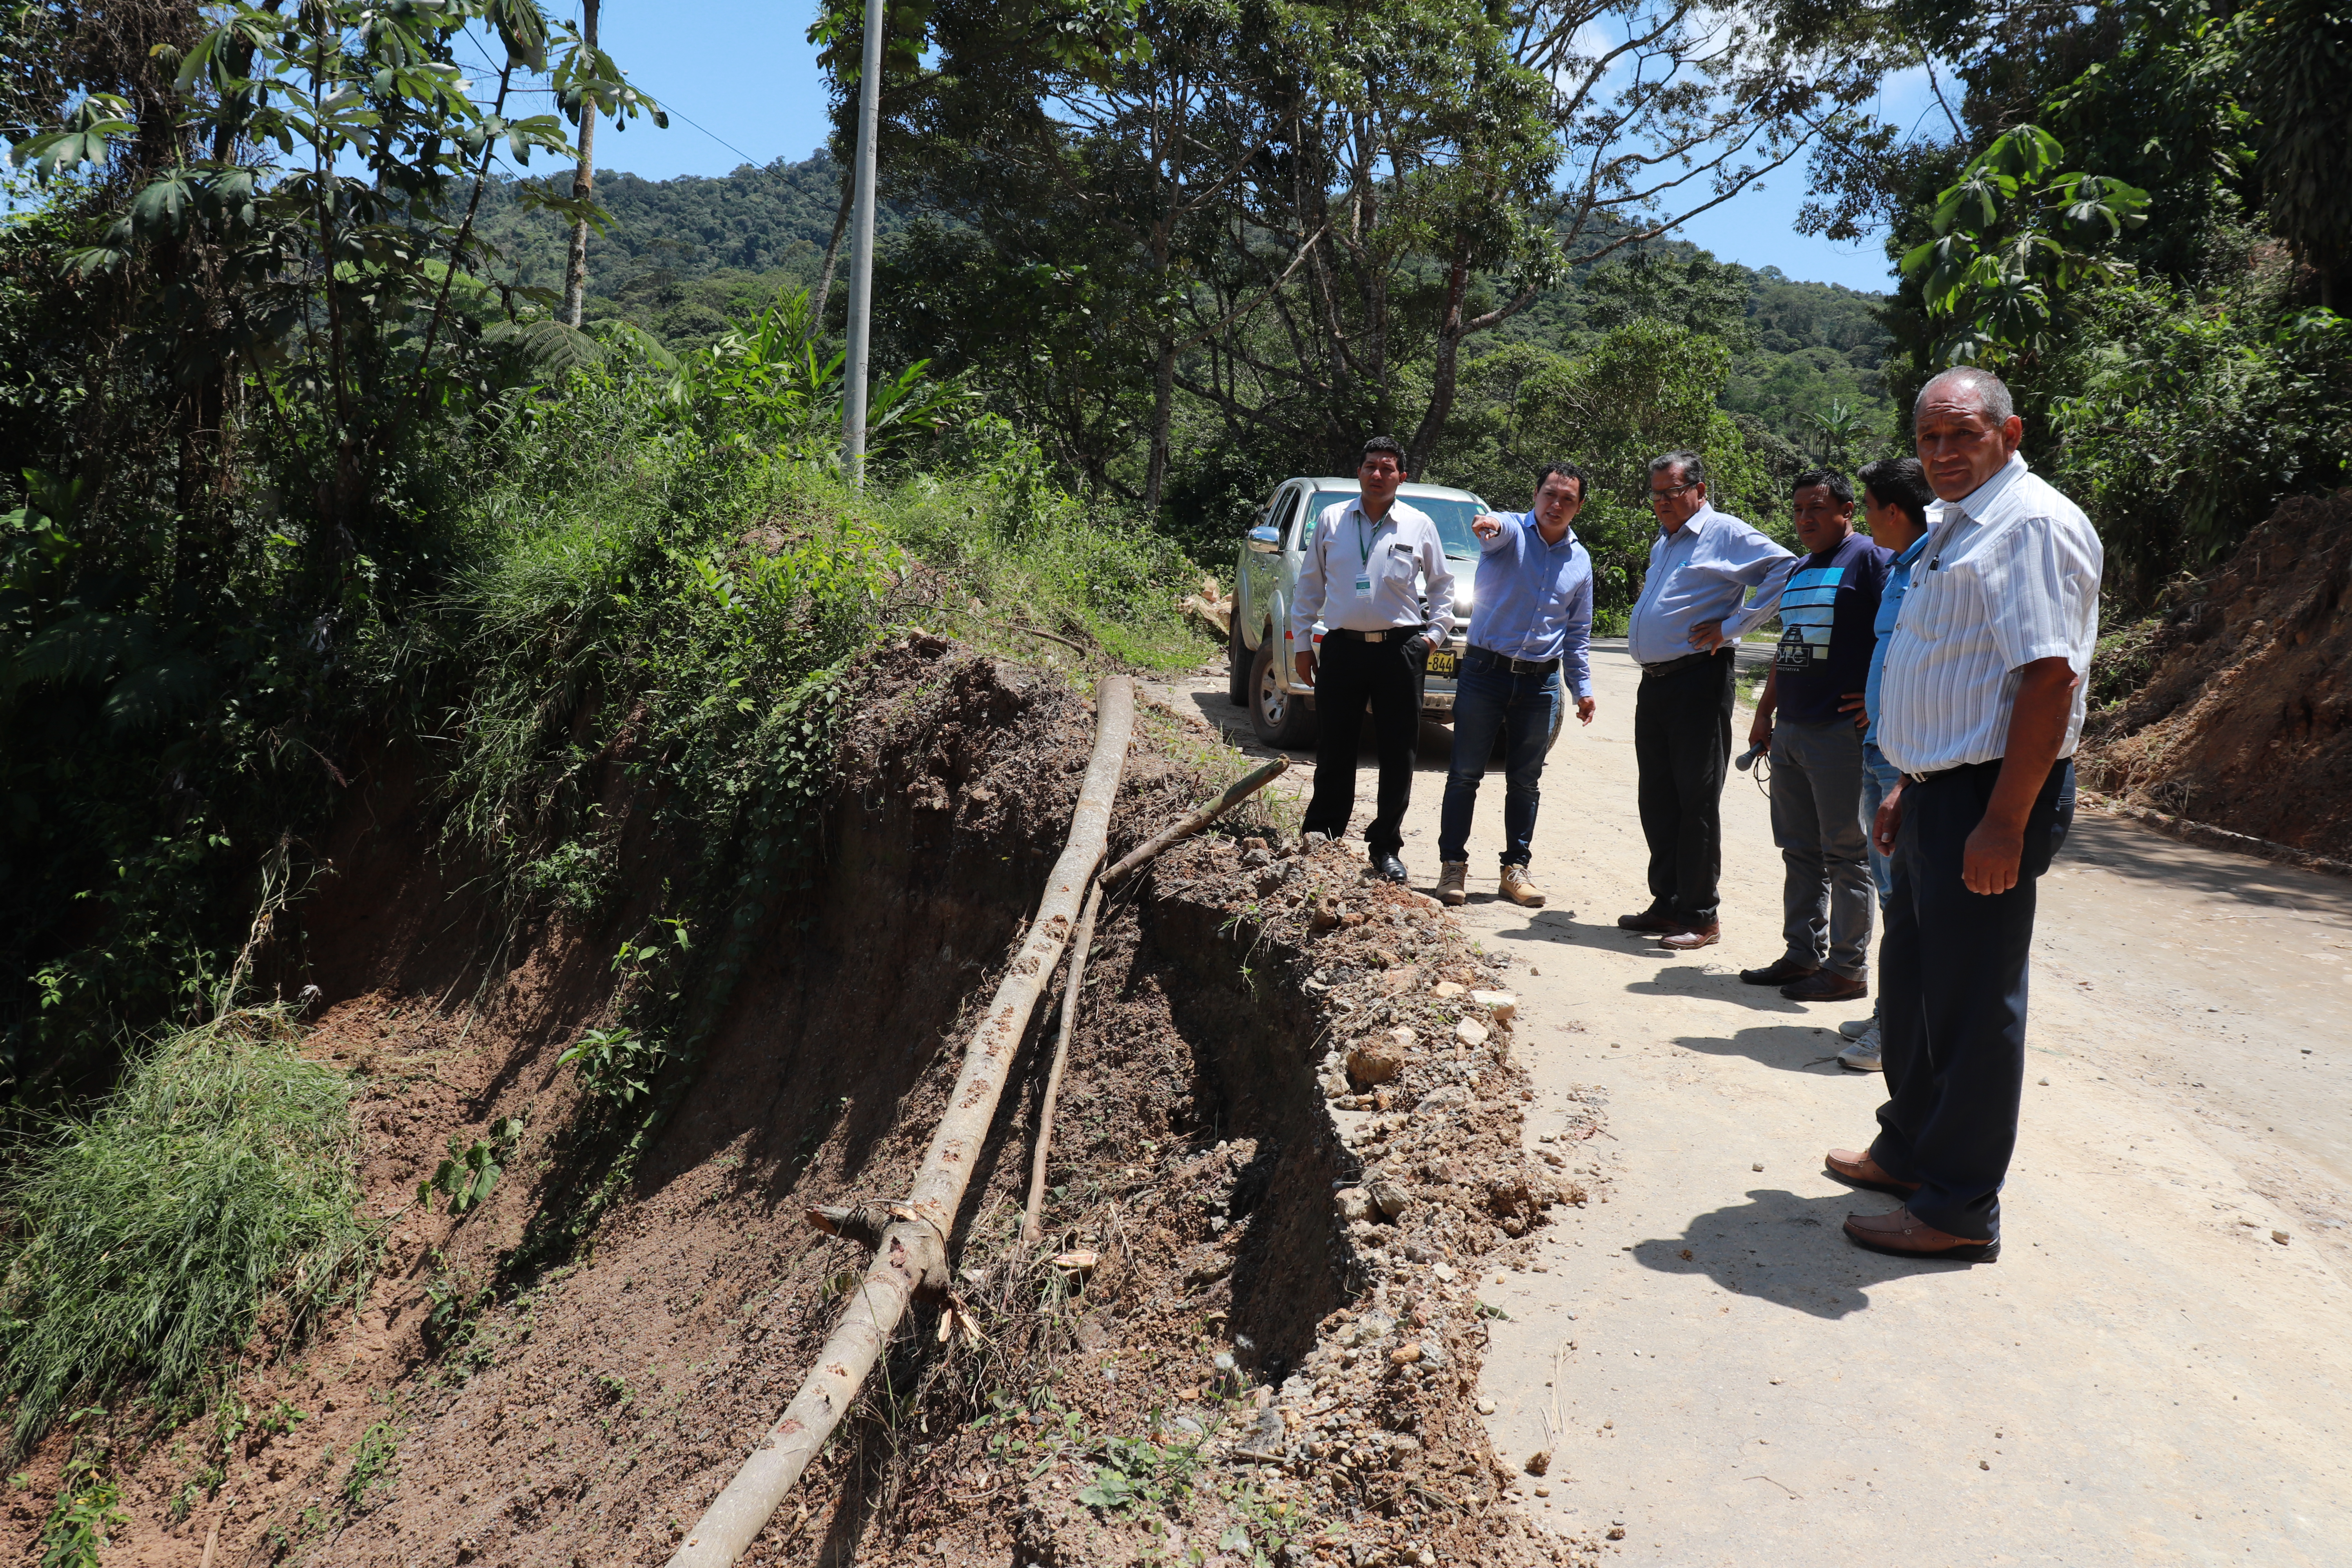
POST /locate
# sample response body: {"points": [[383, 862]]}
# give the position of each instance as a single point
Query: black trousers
{"points": [[1951, 1002], [1352, 673], [1681, 745]]}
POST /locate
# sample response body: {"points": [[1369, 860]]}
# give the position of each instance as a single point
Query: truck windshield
{"points": [[1452, 517]]}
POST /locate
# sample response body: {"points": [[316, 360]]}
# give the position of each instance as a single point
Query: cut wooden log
{"points": [[912, 1255], [1030, 1232], [1239, 790]]}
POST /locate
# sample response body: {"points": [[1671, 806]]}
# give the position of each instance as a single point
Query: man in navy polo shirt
{"points": [[1532, 612], [1828, 612]]}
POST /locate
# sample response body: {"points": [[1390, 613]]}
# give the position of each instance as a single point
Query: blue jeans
{"points": [[1878, 776], [1488, 698]]}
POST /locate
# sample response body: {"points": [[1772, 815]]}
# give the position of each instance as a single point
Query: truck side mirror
{"points": [[1264, 540]]}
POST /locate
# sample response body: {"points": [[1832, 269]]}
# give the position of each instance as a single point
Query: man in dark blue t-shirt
{"points": [[1828, 611]]}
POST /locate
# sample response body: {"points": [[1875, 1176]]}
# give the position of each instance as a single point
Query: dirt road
{"points": [[2145, 1376]]}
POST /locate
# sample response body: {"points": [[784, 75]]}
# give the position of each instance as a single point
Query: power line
{"points": [[669, 108]]}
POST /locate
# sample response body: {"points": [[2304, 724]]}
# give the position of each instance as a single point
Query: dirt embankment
{"points": [[2244, 718], [1273, 1351]]}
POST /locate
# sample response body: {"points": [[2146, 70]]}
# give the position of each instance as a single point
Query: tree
{"points": [[2298, 57], [584, 184], [2013, 236], [331, 274]]}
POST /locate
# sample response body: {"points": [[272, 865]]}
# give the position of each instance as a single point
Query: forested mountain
{"points": [[685, 257]]}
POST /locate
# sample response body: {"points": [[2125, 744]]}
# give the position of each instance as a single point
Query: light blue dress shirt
{"points": [[1890, 605], [1701, 572], [1534, 600]]}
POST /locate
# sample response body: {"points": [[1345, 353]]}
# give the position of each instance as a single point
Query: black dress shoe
{"points": [[1780, 972], [1389, 869], [1657, 920]]}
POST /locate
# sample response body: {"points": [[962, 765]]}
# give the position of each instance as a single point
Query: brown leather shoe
{"points": [[1780, 972], [1861, 1171], [1687, 939], [1653, 919], [1900, 1235], [1822, 987]]}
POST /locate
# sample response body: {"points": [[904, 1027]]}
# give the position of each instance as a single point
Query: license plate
{"points": [[1441, 662]]}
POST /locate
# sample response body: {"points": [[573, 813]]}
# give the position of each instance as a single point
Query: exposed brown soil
{"points": [[1208, 1153], [2244, 719]]}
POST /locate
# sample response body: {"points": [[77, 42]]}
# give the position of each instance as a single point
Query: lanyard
{"points": [[1364, 537]]}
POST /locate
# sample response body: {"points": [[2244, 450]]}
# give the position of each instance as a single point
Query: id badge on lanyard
{"points": [[1364, 552]]}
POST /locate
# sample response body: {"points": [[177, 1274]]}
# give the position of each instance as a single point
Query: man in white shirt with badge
{"points": [[1374, 573], [1983, 696]]}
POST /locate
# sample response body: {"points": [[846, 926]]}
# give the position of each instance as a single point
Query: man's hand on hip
{"points": [[1706, 637], [1851, 702], [1305, 665]]}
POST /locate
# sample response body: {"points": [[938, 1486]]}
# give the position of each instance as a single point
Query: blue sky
{"points": [[746, 78]]}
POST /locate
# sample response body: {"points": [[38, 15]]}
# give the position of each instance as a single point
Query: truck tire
{"points": [[1238, 663], [1281, 720]]}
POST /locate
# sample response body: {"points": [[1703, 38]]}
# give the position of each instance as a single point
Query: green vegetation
{"points": [[372, 1457], [464, 1179], [88, 1506], [142, 1242], [2179, 375]]}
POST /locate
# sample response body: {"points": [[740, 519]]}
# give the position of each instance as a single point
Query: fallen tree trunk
{"points": [[911, 1259], [1239, 790], [1030, 1230]]}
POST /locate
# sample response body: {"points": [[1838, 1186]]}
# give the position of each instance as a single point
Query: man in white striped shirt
{"points": [[1982, 698]]}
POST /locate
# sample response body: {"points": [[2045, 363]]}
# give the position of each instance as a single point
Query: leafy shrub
{"points": [[144, 1240], [613, 1064], [88, 1505]]}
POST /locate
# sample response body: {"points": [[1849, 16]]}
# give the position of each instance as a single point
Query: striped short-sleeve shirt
{"points": [[2008, 574]]}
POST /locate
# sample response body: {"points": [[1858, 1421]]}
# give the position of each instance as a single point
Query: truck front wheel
{"points": [[1282, 718]]}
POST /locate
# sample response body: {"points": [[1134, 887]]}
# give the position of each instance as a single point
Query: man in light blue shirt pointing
{"points": [[1532, 616]]}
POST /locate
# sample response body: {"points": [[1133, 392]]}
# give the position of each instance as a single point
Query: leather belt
{"points": [[1398, 634], [1688, 660], [1955, 768], [1517, 666]]}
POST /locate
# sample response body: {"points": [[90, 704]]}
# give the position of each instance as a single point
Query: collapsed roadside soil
{"points": [[1271, 1353], [2242, 718]]}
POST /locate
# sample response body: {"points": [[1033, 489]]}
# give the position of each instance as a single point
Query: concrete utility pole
{"points": [[583, 186], [861, 253]]}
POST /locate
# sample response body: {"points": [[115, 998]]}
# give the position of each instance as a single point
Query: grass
{"points": [[140, 1243]]}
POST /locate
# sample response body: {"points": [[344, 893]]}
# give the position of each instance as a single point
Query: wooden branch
{"points": [[1239, 790], [912, 1253], [1084, 941], [1054, 636]]}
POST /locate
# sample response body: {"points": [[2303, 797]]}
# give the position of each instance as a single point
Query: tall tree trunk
{"points": [[1445, 373], [833, 247], [584, 184], [1163, 417]]}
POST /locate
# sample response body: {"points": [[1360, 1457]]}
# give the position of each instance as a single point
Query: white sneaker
{"points": [[1854, 1028], [1862, 1055]]}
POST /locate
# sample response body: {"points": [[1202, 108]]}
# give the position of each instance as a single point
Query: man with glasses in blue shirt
{"points": [[1532, 617], [1702, 565]]}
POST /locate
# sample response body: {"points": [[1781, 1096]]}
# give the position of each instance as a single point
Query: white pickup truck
{"points": [[1260, 673]]}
